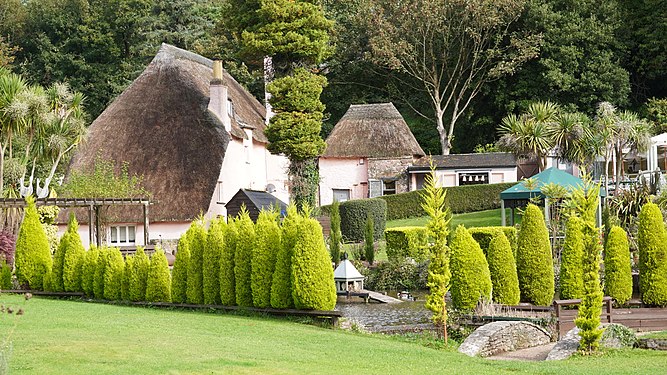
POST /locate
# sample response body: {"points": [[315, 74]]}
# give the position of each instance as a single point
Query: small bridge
{"points": [[370, 295]]}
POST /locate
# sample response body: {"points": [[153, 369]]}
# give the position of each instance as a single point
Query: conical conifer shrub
{"points": [[179, 280], [211, 263], [197, 237], [471, 280], [617, 267], [158, 287], [652, 244], [503, 270], [534, 262], [139, 275], [267, 245], [571, 266], [32, 258], [243, 259], [113, 275], [227, 278], [72, 261], [281, 287]]}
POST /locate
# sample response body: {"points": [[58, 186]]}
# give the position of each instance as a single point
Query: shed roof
{"points": [[372, 130], [347, 272], [546, 177], [262, 200], [458, 161]]}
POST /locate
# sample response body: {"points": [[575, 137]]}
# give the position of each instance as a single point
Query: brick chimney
{"points": [[219, 97]]}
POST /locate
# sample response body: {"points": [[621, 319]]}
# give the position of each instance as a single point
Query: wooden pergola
{"points": [[93, 204]]}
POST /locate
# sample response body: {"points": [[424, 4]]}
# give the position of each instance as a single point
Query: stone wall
{"points": [[499, 337], [391, 168]]}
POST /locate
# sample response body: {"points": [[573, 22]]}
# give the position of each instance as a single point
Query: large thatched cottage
{"points": [[368, 153], [194, 134]]}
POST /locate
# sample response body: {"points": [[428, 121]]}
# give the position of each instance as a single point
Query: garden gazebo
{"points": [[519, 195]]}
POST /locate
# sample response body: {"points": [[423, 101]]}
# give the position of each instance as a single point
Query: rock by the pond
{"points": [[616, 336], [655, 344], [498, 337]]}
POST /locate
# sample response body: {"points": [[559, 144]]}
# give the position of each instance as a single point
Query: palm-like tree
{"points": [[11, 86]]}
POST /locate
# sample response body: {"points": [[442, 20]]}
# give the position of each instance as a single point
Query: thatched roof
{"points": [[161, 126], [372, 130], [453, 161]]}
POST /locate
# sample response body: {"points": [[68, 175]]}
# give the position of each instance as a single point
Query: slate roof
{"points": [[459, 161], [262, 199]]}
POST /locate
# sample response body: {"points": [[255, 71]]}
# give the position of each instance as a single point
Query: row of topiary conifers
{"points": [[267, 264], [237, 263]]}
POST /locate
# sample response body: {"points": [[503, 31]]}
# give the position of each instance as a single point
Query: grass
{"points": [[655, 335], [71, 337], [471, 219]]}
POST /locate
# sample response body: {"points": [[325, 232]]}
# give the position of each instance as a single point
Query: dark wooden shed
{"points": [[254, 202]]}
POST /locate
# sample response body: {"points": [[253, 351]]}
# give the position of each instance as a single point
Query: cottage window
{"points": [[230, 108], [375, 188], [220, 195], [122, 235], [473, 178], [341, 195], [388, 187]]}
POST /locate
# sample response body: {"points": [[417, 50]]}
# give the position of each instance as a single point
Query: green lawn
{"points": [[656, 335], [67, 337], [471, 219]]}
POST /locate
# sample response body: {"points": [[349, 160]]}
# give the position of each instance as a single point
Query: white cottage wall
{"points": [[345, 174]]}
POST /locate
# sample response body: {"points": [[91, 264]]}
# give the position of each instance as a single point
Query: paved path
{"points": [[536, 353]]}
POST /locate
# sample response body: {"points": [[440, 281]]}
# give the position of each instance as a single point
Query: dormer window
{"points": [[230, 108]]}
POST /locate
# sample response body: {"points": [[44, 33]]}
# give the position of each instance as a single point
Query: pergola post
{"points": [[97, 226], [502, 212], [146, 224], [547, 216], [90, 225]]}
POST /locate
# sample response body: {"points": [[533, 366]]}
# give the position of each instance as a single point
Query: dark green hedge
{"points": [[460, 199], [404, 242], [353, 215]]}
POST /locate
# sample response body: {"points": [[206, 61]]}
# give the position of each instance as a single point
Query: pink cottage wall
{"points": [[343, 173]]}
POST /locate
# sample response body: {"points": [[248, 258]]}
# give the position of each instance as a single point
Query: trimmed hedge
{"points": [[617, 267], [353, 215], [407, 242], [227, 279], [179, 280], [113, 275], [33, 254], [459, 199], [281, 288], [652, 244], [534, 263], [484, 235], [571, 266], [243, 259], [139, 275], [503, 270], [267, 246], [312, 274], [471, 279], [212, 254], [369, 240], [158, 286]]}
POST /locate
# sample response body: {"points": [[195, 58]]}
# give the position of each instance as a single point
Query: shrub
{"points": [[503, 270], [652, 244], [127, 278], [407, 242], [471, 280], [459, 199], [369, 240], [281, 287], [197, 241], [571, 266], [100, 270], [484, 235], [335, 236], [353, 216], [72, 261], [243, 259], [58, 261], [211, 263], [312, 274], [5, 276], [395, 275], [7, 247], [88, 271], [113, 274], [47, 281], [617, 268], [179, 280], [534, 263], [33, 255], [139, 276], [158, 287], [227, 280], [267, 246]]}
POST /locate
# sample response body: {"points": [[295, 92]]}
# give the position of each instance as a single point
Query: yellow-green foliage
{"points": [[47, 281], [243, 259], [5, 276], [158, 287], [58, 261], [571, 265], [74, 253], [212, 254], [197, 237], [281, 287], [652, 243], [227, 283], [534, 263], [503, 270], [139, 275], [267, 245], [179, 280], [312, 275], [33, 255], [127, 276], [100, 270], [471, 280], [88, 271], [407, 242], [483, 236], [617, 267], [113, 275]]}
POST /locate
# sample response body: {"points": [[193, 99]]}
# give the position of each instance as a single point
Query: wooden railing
{"points": [[565, 318]]}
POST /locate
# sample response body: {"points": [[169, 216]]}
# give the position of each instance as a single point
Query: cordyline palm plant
{"points": [[11, 85]]}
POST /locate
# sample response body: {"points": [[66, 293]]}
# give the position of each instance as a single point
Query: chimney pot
{"points": [[217, 70]]}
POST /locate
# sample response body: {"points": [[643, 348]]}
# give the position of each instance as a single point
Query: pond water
{"points": [[375, 316]]}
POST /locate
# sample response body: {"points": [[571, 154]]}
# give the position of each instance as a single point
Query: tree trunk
{"points": [[269, 74], [444, 139]]}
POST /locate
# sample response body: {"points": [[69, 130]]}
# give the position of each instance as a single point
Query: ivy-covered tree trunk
{"points": [[304, 179]]}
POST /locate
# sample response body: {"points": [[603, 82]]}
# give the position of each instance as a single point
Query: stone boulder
{"points": [[506, 336], [616, 336]]}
